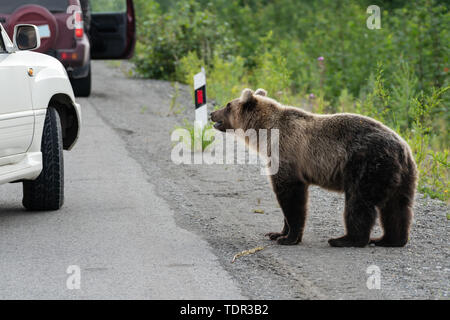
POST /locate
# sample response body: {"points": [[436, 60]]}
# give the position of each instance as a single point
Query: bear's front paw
{"points": [[346, 241], [382, 242], [274, 235], [286, 241]]}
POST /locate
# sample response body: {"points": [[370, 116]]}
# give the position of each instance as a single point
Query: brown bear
{"points": [[344, 152]]}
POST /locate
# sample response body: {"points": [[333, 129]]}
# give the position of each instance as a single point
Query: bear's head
{"points": [[244, 112]]}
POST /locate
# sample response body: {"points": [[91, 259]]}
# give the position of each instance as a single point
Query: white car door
{"points": [[16, 112]]}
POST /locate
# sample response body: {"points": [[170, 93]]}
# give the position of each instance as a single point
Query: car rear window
{"points": [[8, 6]]}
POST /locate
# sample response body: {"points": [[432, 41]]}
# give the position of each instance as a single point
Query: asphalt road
{"points": [[113, 227], [139, 226]]}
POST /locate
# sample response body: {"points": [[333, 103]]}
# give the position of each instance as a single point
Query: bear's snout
{"points": [[211, 116], [217, 117]]}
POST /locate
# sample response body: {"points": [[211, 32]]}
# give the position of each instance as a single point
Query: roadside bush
{"points": [[433, 165], [225, 77], [165, 38]]}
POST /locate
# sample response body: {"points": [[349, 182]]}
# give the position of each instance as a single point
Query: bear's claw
{"points": [[274, 235]]}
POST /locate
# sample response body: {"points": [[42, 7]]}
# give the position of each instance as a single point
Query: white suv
{"points": [[38, 119]]}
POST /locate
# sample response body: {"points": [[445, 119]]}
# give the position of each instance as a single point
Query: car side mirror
{"points": [[26, 37]]}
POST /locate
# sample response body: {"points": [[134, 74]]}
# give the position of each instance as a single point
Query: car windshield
{"points": [[8, 6]]}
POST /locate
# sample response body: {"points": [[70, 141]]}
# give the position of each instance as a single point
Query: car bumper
{"points": [[75, 58]]}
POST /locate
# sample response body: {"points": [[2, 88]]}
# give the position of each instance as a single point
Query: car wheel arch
{"points": [[70, 122]]}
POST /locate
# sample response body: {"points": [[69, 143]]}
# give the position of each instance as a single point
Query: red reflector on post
{"points": [[200, 96]]}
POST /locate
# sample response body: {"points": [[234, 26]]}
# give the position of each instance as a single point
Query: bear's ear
{"points": [[247, 98], [261, 92]]}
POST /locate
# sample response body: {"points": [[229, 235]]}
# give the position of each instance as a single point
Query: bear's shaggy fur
{"points": [[347, 153]]}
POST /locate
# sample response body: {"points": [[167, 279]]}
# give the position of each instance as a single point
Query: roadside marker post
{"points": [[201, 114], [201, 110]]}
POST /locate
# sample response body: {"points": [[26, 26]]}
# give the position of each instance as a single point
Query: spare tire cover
{"points": [[39, 16]]}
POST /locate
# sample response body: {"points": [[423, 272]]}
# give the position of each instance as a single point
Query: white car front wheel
{"points": [[47, 191]]}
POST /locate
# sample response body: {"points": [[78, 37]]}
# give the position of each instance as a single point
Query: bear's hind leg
{"points": [[359, 219], [395, 217], [292, 197]]}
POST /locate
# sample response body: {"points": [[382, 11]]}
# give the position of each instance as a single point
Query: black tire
{"points": [[82, 87], [47, 191]]}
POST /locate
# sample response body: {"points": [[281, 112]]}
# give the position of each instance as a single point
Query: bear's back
{"points": [[326, 144]]}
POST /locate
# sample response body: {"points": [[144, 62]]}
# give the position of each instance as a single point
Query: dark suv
{"points": [[76, 31]]}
